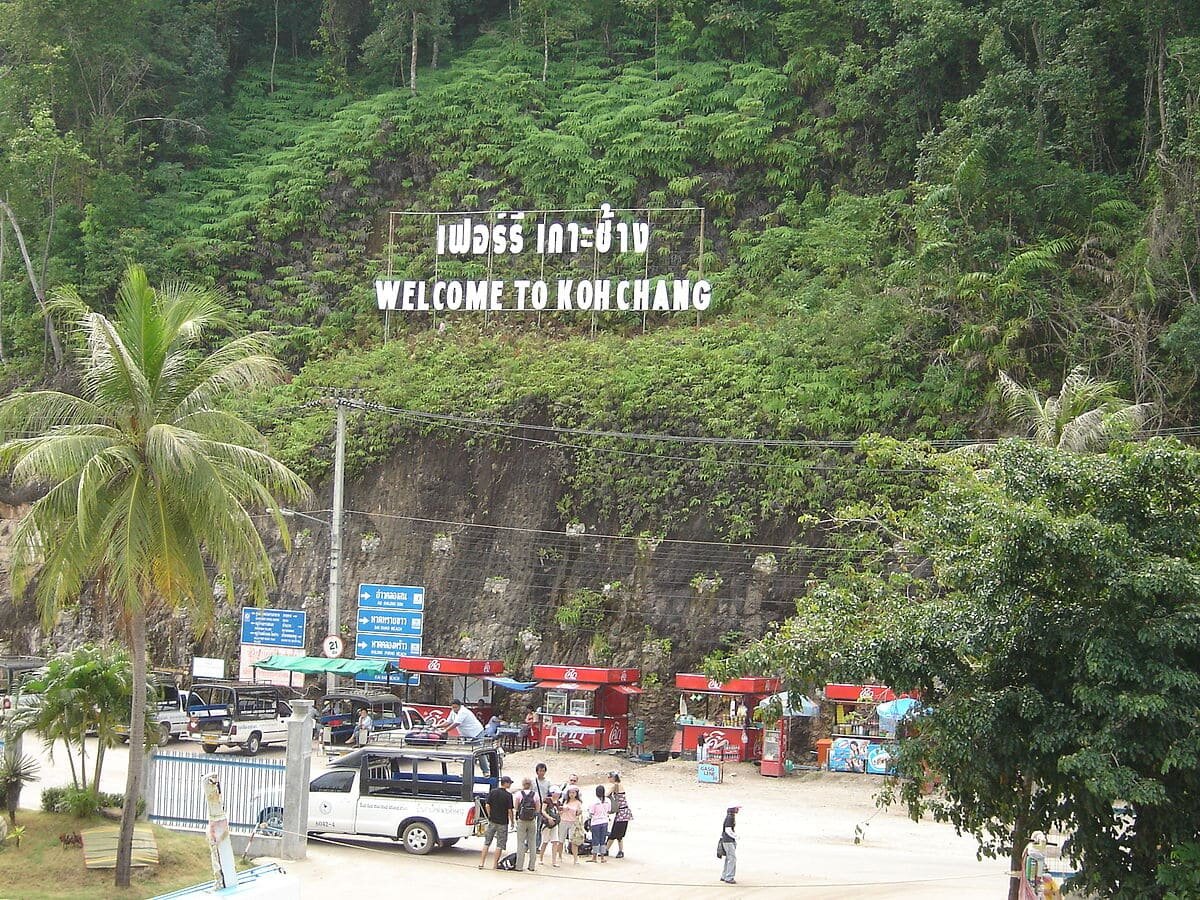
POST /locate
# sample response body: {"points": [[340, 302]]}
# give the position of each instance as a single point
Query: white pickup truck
{"points": [[234, 714], [424, 797]]}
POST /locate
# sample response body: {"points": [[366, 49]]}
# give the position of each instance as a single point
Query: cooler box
{"points": [[823, 746]]}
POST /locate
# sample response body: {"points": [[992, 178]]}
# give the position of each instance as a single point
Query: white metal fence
{"points": [[176, 795]]}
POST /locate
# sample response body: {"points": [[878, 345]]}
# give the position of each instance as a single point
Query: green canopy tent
{"points": [[318, 665]]}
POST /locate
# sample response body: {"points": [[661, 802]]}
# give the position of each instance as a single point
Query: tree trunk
{"points": [[412, 61], [545, 45], [1020, 839], [55, 344], [275, 49], [434, 60], [3, 232], [137, 744]]}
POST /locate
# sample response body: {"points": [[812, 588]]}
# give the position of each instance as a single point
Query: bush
{"points": [[52, 799], [81, 803]]}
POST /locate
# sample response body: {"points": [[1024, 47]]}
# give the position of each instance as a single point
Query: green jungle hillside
{"points": [[903, 199]]}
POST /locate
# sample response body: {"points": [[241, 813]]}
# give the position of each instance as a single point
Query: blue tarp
{"points": [[804, 706], [893, 711], [519, 686]]}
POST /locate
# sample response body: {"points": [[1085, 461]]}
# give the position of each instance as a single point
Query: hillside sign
{"points": [[599, 261]]}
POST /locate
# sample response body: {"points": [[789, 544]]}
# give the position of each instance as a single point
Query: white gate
{"points": [[176, 795]]}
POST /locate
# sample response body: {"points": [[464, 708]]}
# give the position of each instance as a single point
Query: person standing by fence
{"points": [[727, 846]]}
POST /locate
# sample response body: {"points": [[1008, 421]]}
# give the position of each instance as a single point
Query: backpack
{"points": [[527, 806], [508, 863]]}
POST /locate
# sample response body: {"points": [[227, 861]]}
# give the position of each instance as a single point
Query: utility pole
{"points": [[335, 536]]}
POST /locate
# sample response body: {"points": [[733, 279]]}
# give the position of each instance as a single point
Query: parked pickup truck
{"points": [[170, 715], [338, 712], [237, 714], [424, 797]]}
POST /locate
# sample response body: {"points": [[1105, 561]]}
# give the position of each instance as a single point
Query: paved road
{"points": [[796, 840]]}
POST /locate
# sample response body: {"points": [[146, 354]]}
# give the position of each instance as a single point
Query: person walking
{"points": [[551, 818], [727, 847], [622, 815], [599, 813], [570, 824], [528, 813], [498, 807]]}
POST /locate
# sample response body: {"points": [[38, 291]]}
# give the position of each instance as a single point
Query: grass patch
{"points": [[43, 870]]}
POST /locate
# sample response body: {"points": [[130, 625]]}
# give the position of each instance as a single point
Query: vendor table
{"points": [[729, 737]]}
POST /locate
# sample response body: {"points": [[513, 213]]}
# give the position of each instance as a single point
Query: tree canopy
{"points": [[150, 482], [1055, 639]]}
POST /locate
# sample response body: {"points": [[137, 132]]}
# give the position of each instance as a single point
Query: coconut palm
{"points": [[149, 480], [1085, 416]]}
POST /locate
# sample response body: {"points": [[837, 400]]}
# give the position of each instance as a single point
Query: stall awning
{"points": [[567, 685], [626, 689], [510, 684], [451, 665], [312, 665]]}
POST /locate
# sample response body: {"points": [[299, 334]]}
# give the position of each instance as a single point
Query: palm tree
{"points": [[148, 478], [1085, 416]]}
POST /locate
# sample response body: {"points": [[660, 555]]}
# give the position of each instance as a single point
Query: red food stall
{"points": [[586, 706], [470, 683], [730, 734]]}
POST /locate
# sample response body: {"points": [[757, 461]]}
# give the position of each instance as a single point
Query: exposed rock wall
{"points": [[481, 530]]}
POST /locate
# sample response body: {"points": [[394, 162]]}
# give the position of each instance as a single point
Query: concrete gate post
{"points": [[295, 780]]}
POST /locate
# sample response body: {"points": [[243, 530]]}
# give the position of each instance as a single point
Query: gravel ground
{"points": [[795, 839]]}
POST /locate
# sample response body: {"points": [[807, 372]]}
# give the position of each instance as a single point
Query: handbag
{"points": [[720, 849]]}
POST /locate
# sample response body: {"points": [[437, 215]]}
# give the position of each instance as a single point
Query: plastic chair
{"points": [[552, 738]]}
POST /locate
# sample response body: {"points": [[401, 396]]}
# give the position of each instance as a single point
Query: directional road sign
{"points": [[404, 624], [385, 646], [273, 627], [391, 596]]}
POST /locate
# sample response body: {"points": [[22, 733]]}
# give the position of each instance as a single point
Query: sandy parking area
{"points": [[796, 839]]}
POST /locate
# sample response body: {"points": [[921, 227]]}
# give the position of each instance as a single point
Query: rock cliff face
{"points": [[505, 576]]}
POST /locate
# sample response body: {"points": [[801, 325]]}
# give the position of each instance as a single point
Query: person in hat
{"points": [[727, 847], [551, 819], [498, 807]]}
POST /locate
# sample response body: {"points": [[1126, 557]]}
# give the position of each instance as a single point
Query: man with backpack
{"points": [[528, 814]]}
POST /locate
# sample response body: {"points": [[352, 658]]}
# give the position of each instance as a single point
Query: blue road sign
{"points": [[397, 679], [273, 627], [385, 646], [401, 624], [390, 596]]}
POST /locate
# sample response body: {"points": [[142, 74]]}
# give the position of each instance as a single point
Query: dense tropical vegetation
{"points": [[922, 217], [149, 484]]}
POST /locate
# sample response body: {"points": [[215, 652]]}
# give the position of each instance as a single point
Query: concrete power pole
{"points": [[335, 536]]}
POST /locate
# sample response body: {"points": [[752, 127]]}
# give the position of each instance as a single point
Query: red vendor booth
{"points": [[585, 706], [470, 682], [726, 727]]}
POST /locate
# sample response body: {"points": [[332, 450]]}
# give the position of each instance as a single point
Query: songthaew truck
{"points": [[423, 797]]}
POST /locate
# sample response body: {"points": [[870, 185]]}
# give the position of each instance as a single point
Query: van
{"points": [[237, 714], [423, 797]]}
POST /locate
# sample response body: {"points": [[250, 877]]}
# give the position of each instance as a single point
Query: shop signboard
{"points": [[269, 632], [862, 756], [709, 773], [586, 675]]}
